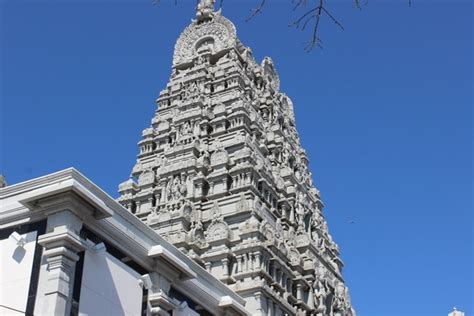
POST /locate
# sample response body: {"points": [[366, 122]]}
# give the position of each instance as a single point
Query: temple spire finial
{"points": [[205, 9]]}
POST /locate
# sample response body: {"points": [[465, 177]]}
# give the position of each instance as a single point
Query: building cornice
{"points": [[22, 202]]}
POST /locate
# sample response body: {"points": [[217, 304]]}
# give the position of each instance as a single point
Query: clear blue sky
{"points": [[384, 112]]}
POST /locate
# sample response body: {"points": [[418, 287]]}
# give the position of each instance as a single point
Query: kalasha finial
{"points": [[205, 9]]}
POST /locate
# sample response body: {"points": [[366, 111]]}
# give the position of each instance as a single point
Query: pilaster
{"points": [[61, 246], [62, 242], [159, 302]]}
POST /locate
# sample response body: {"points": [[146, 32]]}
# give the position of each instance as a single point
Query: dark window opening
{"points": [[191, 304]]}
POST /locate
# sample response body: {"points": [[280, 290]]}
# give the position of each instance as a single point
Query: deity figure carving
{"points": [[322, 246], [279, 229], [314, 236], [185, 129], [242, 205], [205, 158], [176, 188], [196, 130], [196, 233], [319, 224], [232, 55], [333, 246], [301, 213], [200, 60], [340, 304], [168, 190], [183, 190], [192, 89], [320, 296], [216, 212]]}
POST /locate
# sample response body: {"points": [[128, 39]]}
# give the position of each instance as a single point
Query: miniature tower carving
{"points": [[221, 174]]}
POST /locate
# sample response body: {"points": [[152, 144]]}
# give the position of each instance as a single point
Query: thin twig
{"points": [[312, 15], [300, 3], [315, 40], [297, 22], [256, 11], [333, 19]]}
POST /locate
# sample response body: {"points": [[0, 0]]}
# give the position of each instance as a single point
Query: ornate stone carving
{"points": [[224, 139], [189, 212], [295, 257], [215, 213], [320, 296], [197, 235], [341, 305], [242, 205], [218, 229], [219, 157], [270, 72], [176, 189], [268, 231], [205, 9], [146, 177], [215, 35], [302, 239]]}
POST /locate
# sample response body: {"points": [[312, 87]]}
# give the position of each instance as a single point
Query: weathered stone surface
{"points": [[222, 175]]}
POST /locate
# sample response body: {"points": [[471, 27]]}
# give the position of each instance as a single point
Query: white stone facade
{"points": [[67, 248], [221, 175]]}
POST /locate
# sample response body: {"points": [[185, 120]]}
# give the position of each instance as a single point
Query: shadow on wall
{"points": [[109, 287], [19, 254]]}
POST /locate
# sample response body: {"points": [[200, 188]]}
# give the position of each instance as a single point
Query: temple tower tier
{"points": [[222, 175]]}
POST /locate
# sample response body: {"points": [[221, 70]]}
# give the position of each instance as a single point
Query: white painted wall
{"points": [[40, 303], [109, 287], [16, 265]]}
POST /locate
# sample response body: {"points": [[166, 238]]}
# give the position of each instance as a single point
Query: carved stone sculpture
{"points": [[222, 174]]}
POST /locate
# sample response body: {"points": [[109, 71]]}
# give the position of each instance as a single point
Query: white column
{"points": [[159, 302], [61, 246]]}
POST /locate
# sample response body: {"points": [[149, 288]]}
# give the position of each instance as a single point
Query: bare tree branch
{"points": [[315, 40], [298, 3], [312, 15], [256, 11], [333, 19], [298, 21]]}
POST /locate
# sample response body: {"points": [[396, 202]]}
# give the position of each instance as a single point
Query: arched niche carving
{"points": [[219, 29]]}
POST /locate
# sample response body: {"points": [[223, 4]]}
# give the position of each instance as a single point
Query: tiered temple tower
{"points": [[221, 174]]}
